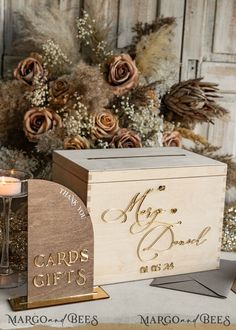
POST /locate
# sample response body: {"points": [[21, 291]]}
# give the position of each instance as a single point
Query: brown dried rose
{"points": [[122, 74], [29, 68], [105, 124], [172, 139], [76, 142], [38, 121], [125, 139], [60, 91]]}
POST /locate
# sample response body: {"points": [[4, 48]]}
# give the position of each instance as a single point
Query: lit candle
{"points": [[9, 186]]}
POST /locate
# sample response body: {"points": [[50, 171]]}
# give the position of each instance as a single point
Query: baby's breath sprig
{"points": [[85, 28], [77, 121], [143, 120], [101, 144], [148, 125], [38, 97], [124, 109], [92, 36], [54, 58]]}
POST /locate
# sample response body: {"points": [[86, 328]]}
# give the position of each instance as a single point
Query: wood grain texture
{"points": [[122, 262], [223, 133], [59, 229], [108, 12], [128, 239], [73, 6], [208, 30], [2, 46], [77, 183], [225, 27], [12, 7], [209, 26], [193, 33], [11, 24], [222, 73], [210, 34], [130, 13], [128, 165], [174, 8]]}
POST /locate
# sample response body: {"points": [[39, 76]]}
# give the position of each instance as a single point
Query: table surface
{"points": [[127, 302]]}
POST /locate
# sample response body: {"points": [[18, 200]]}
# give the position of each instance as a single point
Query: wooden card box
{"points": [[155, 211]]}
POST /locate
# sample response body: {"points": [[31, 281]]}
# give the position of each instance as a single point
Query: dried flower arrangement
{"points": [[100, 97]]}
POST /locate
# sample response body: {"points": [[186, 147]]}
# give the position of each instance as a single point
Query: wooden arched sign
{"points": [[60, 248]]}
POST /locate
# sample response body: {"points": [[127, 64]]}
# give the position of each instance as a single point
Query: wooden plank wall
{"points": [[209, 51], [177, 10], [123, 15], [9, 23], [204, 42]]}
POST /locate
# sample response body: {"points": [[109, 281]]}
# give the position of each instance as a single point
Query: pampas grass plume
{"points": [[152, 49], [38, 24]]}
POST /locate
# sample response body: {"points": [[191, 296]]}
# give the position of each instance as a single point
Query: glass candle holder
{"points": [[13, 184]]}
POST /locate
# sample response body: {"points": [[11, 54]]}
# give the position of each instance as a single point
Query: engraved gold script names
{"points": [[156, 236], [65, 259]]}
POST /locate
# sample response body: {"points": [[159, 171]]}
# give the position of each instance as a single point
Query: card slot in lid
{"points": [[130, 157]]}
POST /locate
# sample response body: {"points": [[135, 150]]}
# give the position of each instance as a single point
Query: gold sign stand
{"points": [[21, 303], [60, 249]]}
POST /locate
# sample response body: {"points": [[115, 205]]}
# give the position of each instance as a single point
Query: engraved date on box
{"points": [[157, 267]]}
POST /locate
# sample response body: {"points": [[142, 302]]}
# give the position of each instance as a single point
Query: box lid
{"points": [[109, 165]]}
